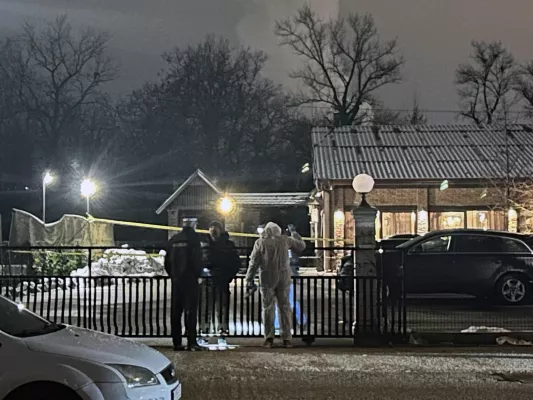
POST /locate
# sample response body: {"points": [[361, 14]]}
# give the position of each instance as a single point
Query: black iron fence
{"points": [[126, 292], [140, 306], [465, 292], [114, 292]]}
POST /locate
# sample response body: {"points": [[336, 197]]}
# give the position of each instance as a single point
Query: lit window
{"points": [[447, 220], [349, 226], [485, 219], [396, 223]]}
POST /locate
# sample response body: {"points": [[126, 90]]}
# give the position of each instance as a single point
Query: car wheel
{"points": [[513, 289], [43, 391]]}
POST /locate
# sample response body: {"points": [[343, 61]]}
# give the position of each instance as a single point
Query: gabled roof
{"points": [[271, 199], [246, 199], [423, 152], [197, 174]]}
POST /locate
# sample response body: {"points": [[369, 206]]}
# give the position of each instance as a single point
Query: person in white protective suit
{"points": [[270, 257]]}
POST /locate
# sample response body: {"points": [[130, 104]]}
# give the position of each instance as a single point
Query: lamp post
{"points": [[366, 291], [363, 184], [47, 180], [88, 189]]}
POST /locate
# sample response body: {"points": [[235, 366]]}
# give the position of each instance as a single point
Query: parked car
{"points": [[464, 261], [41, 360], [345, 267], [394, 241]]}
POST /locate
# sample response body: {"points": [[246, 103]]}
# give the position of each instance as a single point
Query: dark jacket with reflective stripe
{"points": [[184, 255]]}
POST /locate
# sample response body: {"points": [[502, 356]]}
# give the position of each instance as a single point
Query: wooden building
{"points": [[199, 197], [427, 177]]}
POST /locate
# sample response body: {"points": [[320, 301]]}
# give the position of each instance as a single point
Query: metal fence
{"points": [[120, 298], [479, 311], [139, 306]]}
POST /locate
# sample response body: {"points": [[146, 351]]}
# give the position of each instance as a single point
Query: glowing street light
{"points": [[48, 178], [88, 189], [226, 205]]}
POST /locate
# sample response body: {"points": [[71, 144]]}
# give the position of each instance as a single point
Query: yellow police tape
{"points": [[170, 228], [100, 253], [177, 229]]}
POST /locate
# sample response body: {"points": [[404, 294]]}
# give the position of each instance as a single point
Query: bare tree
{"points": [[386, 116], [345, 61], [525, 86], [214, 110], [415, 116], [58, 72], [485, 85], [382, 115]]}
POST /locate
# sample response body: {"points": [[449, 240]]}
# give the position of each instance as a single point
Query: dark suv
{"points": [[464, 261]]}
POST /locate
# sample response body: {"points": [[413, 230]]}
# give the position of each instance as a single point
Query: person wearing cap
{"points": [[183, 263], [222, 262]]}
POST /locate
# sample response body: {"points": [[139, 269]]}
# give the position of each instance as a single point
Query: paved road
{"points": [[348, 373]]}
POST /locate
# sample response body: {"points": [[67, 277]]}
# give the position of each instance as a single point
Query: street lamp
{"points": [[363, 184], [226, 205], [88, 189], [47, 180]]}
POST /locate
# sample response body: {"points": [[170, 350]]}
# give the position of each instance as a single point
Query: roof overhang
{"points": [[424, 183], [183, 186], [291, 199]]}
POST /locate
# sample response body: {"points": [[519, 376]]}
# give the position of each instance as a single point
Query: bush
{"points": [[58, 263]]}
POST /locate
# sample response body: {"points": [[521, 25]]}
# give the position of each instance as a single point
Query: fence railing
{"points": [[140, 306], [116, 293], [126, 292]]}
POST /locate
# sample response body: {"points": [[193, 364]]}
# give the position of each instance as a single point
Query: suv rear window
{"points": [[514, 246], [477, 244], [488, 244]]}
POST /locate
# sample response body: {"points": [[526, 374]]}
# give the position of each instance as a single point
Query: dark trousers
{"points": [[184, 298], [214, 299]]}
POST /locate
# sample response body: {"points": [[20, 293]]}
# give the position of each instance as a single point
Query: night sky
{"points": [[434, 34]]}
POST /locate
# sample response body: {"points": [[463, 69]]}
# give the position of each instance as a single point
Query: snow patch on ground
{"points": [[484, 329], [125, 262]]}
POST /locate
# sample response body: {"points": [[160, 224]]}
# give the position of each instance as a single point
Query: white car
{"points": [[40, 360]]}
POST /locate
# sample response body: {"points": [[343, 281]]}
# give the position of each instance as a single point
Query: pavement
{"points": [[344, 372]]}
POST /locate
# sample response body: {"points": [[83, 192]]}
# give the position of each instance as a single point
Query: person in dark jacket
{"points": [[222, 263], [183, 263]]}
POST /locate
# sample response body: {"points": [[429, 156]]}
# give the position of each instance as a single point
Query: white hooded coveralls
{"points": [[271, 257]]}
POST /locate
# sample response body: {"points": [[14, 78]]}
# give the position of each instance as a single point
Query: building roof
{"points": [[245, 199], [423, 152], [271, 199], [197, 174]]}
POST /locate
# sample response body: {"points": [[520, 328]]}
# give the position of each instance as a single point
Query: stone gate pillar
{"points": [[366, 290]]}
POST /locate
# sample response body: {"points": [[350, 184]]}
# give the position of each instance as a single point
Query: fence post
{"points": [[89, 283], [366, 291]]}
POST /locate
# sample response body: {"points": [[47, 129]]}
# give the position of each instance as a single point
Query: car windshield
{"points": [[15, 320], [413, 242]]}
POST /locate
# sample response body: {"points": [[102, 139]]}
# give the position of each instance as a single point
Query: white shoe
{"points": [[222, 342], [202, 341]]}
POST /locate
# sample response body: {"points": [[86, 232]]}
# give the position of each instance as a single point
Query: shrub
{"points": [[58, 263]]}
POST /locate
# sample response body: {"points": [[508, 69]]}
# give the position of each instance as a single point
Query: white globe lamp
{"points": [[363, 184]]}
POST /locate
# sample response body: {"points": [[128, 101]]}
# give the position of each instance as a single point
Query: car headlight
{"points": [[136, 376]]}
